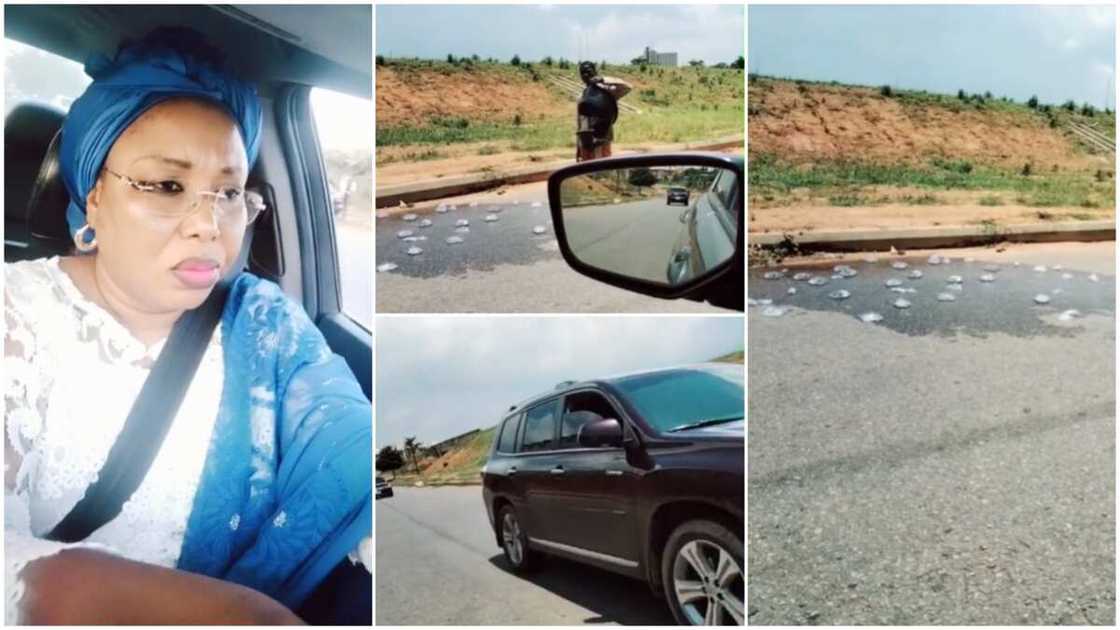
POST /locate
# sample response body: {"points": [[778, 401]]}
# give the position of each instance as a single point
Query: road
{"points": [[951, 464], [438, 564], [500, 266], [635, 238]]}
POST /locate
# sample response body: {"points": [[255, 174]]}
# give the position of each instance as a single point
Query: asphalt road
{"points": [[951, 464], [633, 238], [500, 266], [438, 564]]}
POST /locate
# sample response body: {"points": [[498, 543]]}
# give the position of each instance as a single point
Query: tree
{"points": [[739, 63], [1032, 102], [516, 61], [961, 95], [411, 445], [389, 459], [641, 177], [696, 63], [638, 61]]}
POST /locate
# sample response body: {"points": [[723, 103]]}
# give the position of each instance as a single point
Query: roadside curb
{"points": [[942, 236], [466, 184]]}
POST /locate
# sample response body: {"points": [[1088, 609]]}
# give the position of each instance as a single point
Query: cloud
{"points": [[440, 376]]}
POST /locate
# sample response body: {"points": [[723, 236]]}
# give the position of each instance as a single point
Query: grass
{"points": [[840, 180], [678, 105]]}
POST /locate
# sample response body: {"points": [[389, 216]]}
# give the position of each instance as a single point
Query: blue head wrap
{"points": [[168, 63]]}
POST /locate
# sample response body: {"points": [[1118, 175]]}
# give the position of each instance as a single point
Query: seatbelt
{"points": [[151, 415]]}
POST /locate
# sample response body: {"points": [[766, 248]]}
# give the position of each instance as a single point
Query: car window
{"points": [[672, 399], [540, 427], [724, 188], [507, 441], [31, 74], [345, 127], [570, 423]]}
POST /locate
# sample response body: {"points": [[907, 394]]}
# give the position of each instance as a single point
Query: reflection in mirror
{"points": [[662, 224]]}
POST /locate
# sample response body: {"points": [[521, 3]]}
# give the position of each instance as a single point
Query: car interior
{"points": [[286, 50], [579, 409]]}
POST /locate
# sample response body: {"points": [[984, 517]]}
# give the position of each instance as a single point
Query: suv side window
{"points": [[540, 427], [582, 401], [507, 441]]}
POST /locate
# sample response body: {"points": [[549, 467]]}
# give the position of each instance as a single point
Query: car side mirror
{"points": [[619, 220], [605, 432]]}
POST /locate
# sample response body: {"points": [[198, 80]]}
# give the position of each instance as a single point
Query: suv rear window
{"points": [[675, 398], [540, 427], [507, 441]]}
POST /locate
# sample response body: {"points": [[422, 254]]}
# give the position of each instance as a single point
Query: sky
{"points": [[614, 33], [1055, 52], [438, 377]]}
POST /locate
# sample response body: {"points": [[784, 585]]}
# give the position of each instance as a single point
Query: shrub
{"points": [[1032, 102], [1026, 172], [516, 61], [1069, 106], [886, 91], [450, 59], [517, 120], [1087, 110], [380, 60], [961, 95], [547, 61]]}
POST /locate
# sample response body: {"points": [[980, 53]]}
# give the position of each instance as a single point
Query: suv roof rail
{"points": [[563, 384]]}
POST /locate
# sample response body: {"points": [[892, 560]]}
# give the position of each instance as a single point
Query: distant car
{"points": [[676, 194], [710, 226], [640, 474], [384, 490]]}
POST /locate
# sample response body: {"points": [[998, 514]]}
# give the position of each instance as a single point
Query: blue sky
{"points": [[1055, 52], [615, 33], [441, 376]]}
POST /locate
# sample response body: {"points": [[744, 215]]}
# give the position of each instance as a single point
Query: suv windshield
{"points": [[678, 399]]}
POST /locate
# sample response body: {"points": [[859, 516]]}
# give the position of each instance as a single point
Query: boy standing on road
{"points": [[597, 112]]}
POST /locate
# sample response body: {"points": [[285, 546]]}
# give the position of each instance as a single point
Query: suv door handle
{"points": [[512, 470], [614, 473], [559, 470]]}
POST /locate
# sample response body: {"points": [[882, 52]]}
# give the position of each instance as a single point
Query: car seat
{"points": [[28, 133], [35, 197]]}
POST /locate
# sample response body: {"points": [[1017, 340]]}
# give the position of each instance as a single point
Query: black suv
{"points": [[641, 474]]}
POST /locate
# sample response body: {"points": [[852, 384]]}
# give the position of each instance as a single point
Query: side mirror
{"points": [[606, 432], [619, 220]]}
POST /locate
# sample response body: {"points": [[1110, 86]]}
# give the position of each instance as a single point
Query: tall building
{"points": [[659, 58]]}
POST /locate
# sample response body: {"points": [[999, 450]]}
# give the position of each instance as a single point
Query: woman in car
{"points": [[262, 485]]}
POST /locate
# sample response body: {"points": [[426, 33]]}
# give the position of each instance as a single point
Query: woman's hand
{"points": [[87, 587]]}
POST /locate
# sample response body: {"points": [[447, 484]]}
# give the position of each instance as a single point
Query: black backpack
{"points": [[600, 107]]}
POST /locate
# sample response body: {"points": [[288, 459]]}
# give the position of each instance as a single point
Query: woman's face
{"points": [[163, 263]]}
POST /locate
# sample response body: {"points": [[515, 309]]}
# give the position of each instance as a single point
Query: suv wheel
{"points": [[702, 573], [515, 544]]}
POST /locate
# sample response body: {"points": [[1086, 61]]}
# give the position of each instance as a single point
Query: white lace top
{"points": [[71, 374]]}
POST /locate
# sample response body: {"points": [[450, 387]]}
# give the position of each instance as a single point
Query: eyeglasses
{"points": [[170, 199]]}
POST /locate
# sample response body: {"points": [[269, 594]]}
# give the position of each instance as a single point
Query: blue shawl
{"points": [[285, 493]]}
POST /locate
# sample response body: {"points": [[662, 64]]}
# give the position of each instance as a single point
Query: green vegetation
{"points": [[839, 181], [678, 105]]}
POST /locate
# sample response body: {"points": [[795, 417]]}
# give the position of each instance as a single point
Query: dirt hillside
{"points": [[416, 95], [802, 122]]}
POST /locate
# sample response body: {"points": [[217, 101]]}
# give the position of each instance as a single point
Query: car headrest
{"points": [[46, 208], [28, 131]]}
